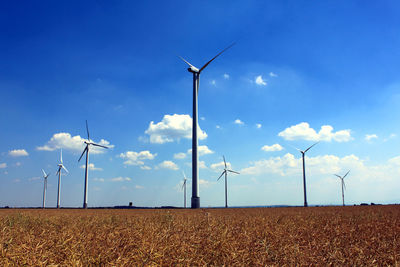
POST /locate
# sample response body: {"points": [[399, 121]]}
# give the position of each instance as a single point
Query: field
{"points": [[366, 235]]}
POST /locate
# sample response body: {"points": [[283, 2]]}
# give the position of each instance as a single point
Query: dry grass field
{"points": [[341, 236]]}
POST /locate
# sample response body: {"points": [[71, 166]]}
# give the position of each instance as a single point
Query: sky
{"points": [[300, 72]]}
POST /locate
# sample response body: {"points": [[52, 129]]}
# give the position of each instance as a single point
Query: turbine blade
{"points": [[184, 175], [338, 176], [296, 148], [205, 65], [186, 62], [344, 185], [233, 171], [59, 168], [87, 130], [83, 153], [61, 156], [310, 147], [44, 173], [346, 174], [221, 175], [99, 145], [224, 160], [65, 168]]}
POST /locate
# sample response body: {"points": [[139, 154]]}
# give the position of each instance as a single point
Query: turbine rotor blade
{"points": [[184, 175], [44, 173], [61, 157], [65, 168], [233, 171], [83, 153], [310, 147], [338, 176], [186, 62], [346, 174], [98, 145], [87, 130], [344, 185], [221, 175], [224, 160], [205, 65]]}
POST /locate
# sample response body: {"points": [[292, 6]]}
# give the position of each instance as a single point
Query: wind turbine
{"points": [[195, 202], [60, 166], [226, 170], [45, 175], [343, 185], [184, 189], [88, 144], [304, 172]]}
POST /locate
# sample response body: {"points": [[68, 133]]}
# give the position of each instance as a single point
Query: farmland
{"points": [[366, 235]]}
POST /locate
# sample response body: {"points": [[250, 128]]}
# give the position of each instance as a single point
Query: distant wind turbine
{"points": [[195, 202], [226, 170], [184, 189], [343, 185], [60, 166], [86, 150], [45, 176], [304, 172]]}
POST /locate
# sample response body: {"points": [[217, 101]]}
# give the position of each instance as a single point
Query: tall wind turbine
{"points": [[86, 150], [45, 175], [195, 203], [304, 172], [184, 189], [343, 185], [60, 166], [226, 170]]}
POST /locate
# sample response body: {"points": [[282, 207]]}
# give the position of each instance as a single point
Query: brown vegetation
{"points": [[253, 237]]}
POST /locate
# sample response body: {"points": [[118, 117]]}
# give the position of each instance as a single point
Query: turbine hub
{"points": [[193, 70]]}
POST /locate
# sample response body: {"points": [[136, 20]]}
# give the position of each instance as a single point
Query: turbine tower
{"points": [[184, 189], [304, 172], [45, 175], [60, 166], [195, 202], [86, 150], [343, 185], [226, 170]]}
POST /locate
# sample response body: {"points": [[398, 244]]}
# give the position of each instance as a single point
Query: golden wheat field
{"points": [[367, 235]]}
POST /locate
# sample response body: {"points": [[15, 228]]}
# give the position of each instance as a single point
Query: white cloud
{"points": [[202, 118], [259, 80], [144, 167], [202, 150], [3, 165], [271, 74], [91, 167], [213, 82], [180, 155], [302, 131], [136, 158], [238, 122], [218, 127], [120, 179], [226, 76], [98, 180], [204, 183], [167, 164], [72, 143], [34, 178], [258, 125], [274, 147], [172, 128], [369, 137], [202, 165], [17, 180], [139, 187], [220, 166], [18, 164], [18, 153]]}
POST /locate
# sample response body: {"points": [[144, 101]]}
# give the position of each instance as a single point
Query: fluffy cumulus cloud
{"points": [[98, 180], [18, 153], [91, 167], [202, 150], [302, 131], [274, 147], [226, 76], [180, 155], [167, 164], [3, 165], [137, 158], [258, 125], [238, 122], [220, 166], [369, 137], [260, 81], [120, 179], [72, 143], [271, 74], [172, 128]]}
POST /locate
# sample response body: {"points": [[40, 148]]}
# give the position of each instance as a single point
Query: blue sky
{"points": [[300, 72]]}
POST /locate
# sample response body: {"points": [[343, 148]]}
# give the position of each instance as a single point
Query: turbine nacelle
{"points": [[193, 69]]}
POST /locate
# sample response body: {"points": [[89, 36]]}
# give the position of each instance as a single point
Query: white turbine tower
{"points": [[60, 166], [86, 150], [304, 172], [184, 189], [45, 176], [226, 170], [195, 202], [343, 185]]}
